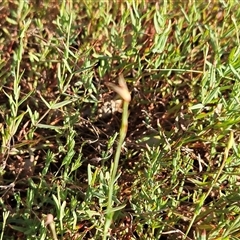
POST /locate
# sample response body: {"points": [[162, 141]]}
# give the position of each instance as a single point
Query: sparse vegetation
{"points": [[62, 129]]}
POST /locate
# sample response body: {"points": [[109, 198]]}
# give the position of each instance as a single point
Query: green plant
{"points": [[171, 171]]}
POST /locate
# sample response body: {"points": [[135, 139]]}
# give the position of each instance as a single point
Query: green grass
{"points": [[165, 165]]}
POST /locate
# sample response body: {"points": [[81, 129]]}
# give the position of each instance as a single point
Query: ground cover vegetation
{"points": [[81, 160]]}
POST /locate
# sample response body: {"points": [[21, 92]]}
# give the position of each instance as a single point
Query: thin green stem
{"points": [[204, 197], [114, 168]]}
